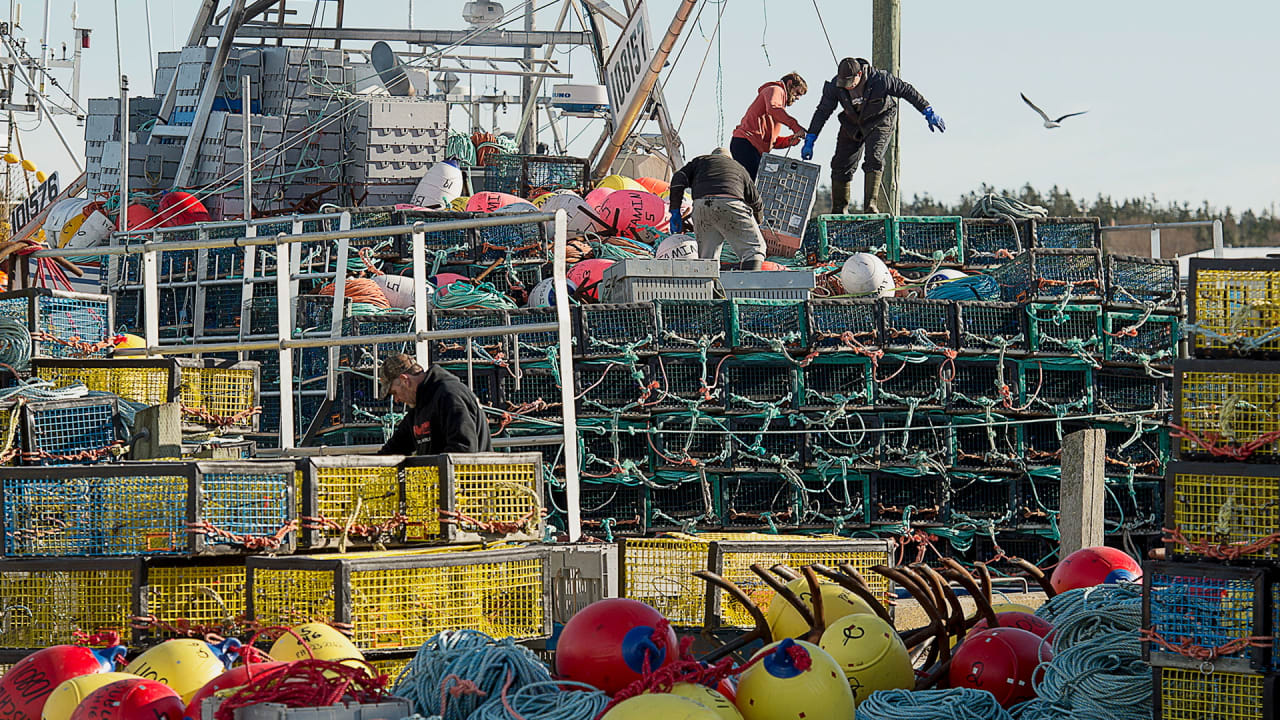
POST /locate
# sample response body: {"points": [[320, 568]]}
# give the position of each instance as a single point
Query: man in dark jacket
{"points": [[726, 206], [868, 104], [444, 415]]}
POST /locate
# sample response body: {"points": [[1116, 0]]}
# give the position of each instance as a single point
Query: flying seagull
{"points": [[1047, 122]]}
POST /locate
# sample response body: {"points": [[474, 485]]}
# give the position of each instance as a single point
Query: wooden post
{"points": [[158, 432], [886, 54], [1083, 491]]}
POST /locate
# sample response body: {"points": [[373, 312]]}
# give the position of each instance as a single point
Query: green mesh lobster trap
{"points": [[684, 501], [992, 327], [984, 442], [1051, 275], [983, 383], [607, 507], [685, 381], [1126, 390], [760, 501], [766, 442], [530, 392], [760, 381], [836, 237], [1134, 506], [915, 440], [1141, 338], [990, 242], [919, 325], [842, 325], [770, 325], [842, 440], [613, 388], [835, 500], [690, 440], [913, 381], [609, 447], [838, 381], [692, 325], [609, 330], [902, 495], [1056, 386], [1065, 330], [984, 496], [1135, 448], [927, 242]]}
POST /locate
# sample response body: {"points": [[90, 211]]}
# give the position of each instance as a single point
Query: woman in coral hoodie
{"points": [[757, 134]]}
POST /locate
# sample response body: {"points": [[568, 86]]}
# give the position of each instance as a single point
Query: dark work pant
{"points": [[849, 148], [746, 154]]}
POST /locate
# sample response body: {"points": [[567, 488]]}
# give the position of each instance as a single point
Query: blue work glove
{"points": [[677, 222], [934, 120], [806, 152]]}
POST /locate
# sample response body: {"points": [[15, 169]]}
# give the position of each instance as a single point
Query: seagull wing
{"points": [[1033, 107], [1064, 117]]}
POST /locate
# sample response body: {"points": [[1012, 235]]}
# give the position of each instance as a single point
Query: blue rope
{"points": [[955, 704], [451, 661], [547, 701]]}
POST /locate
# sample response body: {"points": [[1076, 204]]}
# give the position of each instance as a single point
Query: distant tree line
{"points": [[1239, 229]]}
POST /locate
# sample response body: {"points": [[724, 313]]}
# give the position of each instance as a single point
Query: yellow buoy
{"points": [[184, 665], [325, 644], [131, 341], [1012, 607], [11, 158], [660, 707], [871, 654], [28, 166], [40, 176], [64, 698], [620, 182], [707, 698], [785, 621], [459, 204], [781, 686]]}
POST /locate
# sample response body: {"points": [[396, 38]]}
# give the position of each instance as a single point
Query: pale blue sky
{"points": [[1181, 95]]}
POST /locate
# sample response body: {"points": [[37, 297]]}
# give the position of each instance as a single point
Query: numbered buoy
{"points": [[708, 698], [131, 699], [440, 186], [628, 210], [586, 276], [785, 621], [65, 698], [580, 216], [324, 642], [487, 202], [870, 653], [794, 679], [610, 643], [27, 685], [185, 665]]}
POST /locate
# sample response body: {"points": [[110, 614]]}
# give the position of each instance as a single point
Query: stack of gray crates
{"points": [[220, 171], [300, 85], [390, 144], [102, 128]]}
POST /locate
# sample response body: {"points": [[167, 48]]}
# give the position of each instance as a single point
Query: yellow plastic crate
{"points": [[502, 489], [219, 393], [47, 602], [397, 600], [205, 597], [659, 571], [1227, 403], [1220, 505], [1189, 694], [151, 382], [1236, 304]]}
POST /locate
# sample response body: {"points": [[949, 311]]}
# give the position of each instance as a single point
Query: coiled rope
{"points": [[454, 674], [1001, 207], [955, 704], [1097, 671], [15, 344], [465, 295], [557, 700]]}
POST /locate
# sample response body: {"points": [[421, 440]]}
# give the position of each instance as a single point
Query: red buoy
{"points": [[1002, 661], [26, 687], [610, 643], [1021, 620], [586, 276], [1092, 566], [131, 699], [181, 208], [233, 678]]}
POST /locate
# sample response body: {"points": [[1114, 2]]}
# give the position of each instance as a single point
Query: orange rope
{"points": [[361, 290]]}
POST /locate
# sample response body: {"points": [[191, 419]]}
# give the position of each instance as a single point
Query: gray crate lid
{"points": [[732, 280]]}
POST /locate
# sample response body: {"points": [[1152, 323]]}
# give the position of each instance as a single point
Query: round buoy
{"points": [[940, 277], [660, 707], [596, 197], [27, 685], [677, 247], [1002, 661], [708, 698], [1012, 607], [870, 653], [866, 274], [770, 265], [628, 210], [1016, 619], [620, 182], [233, 678], [586, 276], [487, 202], [442, 281], [131, 699], [544, 293], [181, 208], [65, 698], [654, 185], [580, 214], [1092, 566], [794, 679], [314, 640], [610, 643], [183, 664], [785, 621]]}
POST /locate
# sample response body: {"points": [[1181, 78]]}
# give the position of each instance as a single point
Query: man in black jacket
{"points": [[868, 103], [444, 415], [726, 206]]}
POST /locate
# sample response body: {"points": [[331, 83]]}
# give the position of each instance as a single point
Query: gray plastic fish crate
{"points": [[388, 709], [767, 284], [788, 188], [641, 280]]}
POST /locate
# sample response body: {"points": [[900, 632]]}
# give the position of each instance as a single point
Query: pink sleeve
{"points": [[777, 99]]}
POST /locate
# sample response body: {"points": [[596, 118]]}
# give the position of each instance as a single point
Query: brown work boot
{"points": [[871, 191]]}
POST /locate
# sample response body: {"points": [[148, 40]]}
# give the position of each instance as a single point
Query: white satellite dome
{"points": [[866, 274]]}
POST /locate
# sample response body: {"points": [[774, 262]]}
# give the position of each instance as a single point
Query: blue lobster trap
{"points": [[1207, 608], [1074, 233], [1051, 275], [187, 509], [72, 432], [63, 324], [1141, 283]]}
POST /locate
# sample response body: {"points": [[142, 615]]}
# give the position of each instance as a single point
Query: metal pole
{"points": [[151, 300], [284, 319], [123, 216], [527, 133], [572, 492], [419, 252], [339, 304], [246, 146], [628, 118], [529, 120], [1217, 238]]}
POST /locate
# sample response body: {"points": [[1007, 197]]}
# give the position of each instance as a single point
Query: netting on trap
{"points": [[927, 241], [985, 327], [836, 237], [915, 439], [1057, 386], [766, 501], [1141, 338], [685, 381], [692, 325], [1124, 390], [913, 324], [992, 242], [368, 356], [984, 442], [1230, 406], [982, 496], [523, 243], [610, 447], [1207, 608], [1051, 275], [1136, 448], [530, 393], [1135, 506], [1141, 283], [831, 382], [1066, 330], [983, 383], [684, 441], [844, 440], [842, 325], [912, 381], [755, 382], [766, 442], [775, 325], [835, 499], [608, 330], [611, 388], [479, 348], [1234, 307], [203, 595], [1219, 509], [1076, 233], [898, 497], [689, 503], [536, 344]]}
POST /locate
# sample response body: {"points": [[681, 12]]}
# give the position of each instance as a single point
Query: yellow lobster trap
{"points": [[57, 601], [362, 500], [220, 393], [659, 571], [1235, 307], [1222, 511], [1228, 409], [190, 598], [397, 600], [1190, 694], [150, 382]]}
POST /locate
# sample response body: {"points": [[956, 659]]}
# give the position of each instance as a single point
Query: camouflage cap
{"points": [[393, 366]]}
